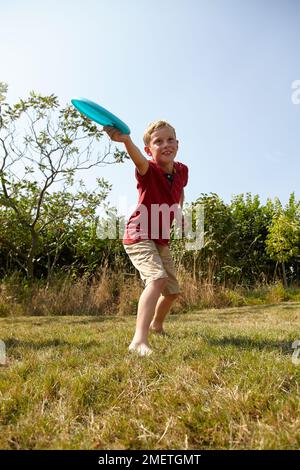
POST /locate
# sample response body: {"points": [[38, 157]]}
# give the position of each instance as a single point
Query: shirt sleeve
{"points": [[142, 179], [185, 175]]}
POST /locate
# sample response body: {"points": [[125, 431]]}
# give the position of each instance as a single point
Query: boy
{"points": [[160, 185]]}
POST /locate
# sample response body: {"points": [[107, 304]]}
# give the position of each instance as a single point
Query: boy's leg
{"points": [[170, 293], [163, 306], [145, 257], [146, 310]]}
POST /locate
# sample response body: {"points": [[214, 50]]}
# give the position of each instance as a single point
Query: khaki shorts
{"points": [[154, 261]]}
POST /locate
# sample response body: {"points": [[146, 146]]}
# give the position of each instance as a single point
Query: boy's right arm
{"points": [[135, 154]]}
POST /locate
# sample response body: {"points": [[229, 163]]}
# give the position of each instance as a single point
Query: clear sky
{"points": [[220, 71]]}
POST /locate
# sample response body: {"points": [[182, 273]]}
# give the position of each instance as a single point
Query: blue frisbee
{"points": [[96, 113]]}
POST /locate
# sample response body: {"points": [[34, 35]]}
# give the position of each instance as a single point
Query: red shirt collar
{"points": [[163, 171]]}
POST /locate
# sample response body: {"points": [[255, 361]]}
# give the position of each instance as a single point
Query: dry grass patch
{"points": [[223, 379]]}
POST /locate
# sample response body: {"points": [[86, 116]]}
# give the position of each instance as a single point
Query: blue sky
{"points": [[220, 71]]}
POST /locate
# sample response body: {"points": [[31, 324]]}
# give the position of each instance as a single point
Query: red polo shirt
{"points": [[159, 197]]}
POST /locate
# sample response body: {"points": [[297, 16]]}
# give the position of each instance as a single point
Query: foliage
{"points": [[42, 148], [49, 220], [283, 239], [243, 241]]}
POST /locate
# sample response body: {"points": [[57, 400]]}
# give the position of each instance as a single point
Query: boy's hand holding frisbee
{"points": [[116, 135]]}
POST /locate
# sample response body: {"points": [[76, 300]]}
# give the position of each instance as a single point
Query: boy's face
{"points": [[163, 146]]}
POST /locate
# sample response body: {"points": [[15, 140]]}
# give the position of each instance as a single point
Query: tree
{"points": [[251, 220], [282, 243], [42, 147], [207, 262]]}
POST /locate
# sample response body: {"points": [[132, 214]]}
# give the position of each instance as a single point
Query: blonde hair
{"points": [[153, 127]]}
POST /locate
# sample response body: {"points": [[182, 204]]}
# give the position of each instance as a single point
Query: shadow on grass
{"points": [[246, 343], [294, 306], [13, 343], [288, 305], [227, 311], [237, 311], [65, 320]]}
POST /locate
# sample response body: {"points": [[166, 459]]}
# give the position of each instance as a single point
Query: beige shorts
{"points": [[154, 261]]}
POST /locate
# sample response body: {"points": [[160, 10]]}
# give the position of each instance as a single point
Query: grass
{"points": [[112, 293], [223, 379]]}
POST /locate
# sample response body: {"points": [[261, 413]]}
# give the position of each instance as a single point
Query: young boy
{"points": [[160, 186]]}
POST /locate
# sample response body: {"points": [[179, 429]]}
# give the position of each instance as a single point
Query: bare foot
{"points": [[141, 349], [158, 331]]}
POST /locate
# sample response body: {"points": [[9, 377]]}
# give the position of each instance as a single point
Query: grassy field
{"points": [[223, 379]]}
